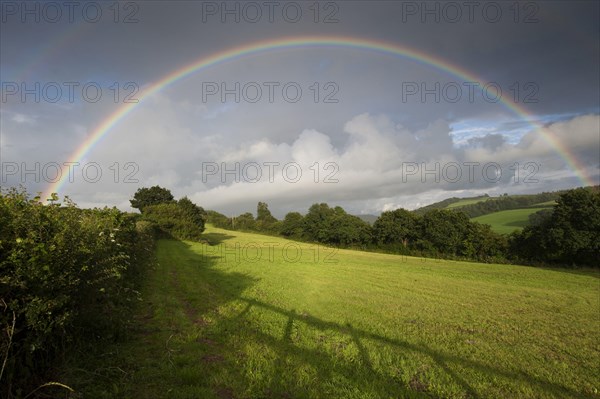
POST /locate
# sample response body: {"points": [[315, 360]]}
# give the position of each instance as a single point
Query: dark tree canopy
{"points": [[292, 225], [334, 226], [218, 219], [316, 221], [263, 214], [568, 235], [344, 229], [244, 222], [173, 221], [154, 195], [398, 226], [193, 212], [444, 231], [264, 220]]}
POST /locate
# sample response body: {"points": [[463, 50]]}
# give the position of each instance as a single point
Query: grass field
{"points": [[506, 222], [310, 322]]}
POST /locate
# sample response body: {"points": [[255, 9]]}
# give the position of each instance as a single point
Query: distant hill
{"points": [[452, 202], [504, 214], [484, 205], [505, 222]]}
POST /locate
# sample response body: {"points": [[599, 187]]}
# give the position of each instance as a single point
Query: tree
{"points": [[218, 219], [577, 213], [540, 217], [193, 212], [573, 234], [398, 226], [173, 220], [444, 231], [483, 244], [150, 196], [293, 225], [344, 229], [569, 235], [263, 214], [334, 226], [244, 222], [315, 221], [264, 220]]}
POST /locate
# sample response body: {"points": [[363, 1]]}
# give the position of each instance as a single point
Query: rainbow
{"points": [[236, 53]]}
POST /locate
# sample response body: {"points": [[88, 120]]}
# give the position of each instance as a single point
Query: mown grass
{"points": [[505, 222], [347, 324]]}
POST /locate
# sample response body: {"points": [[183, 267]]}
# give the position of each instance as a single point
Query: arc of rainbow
{"points": [[310, 41]]}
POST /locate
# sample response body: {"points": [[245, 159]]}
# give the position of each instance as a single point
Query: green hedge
{"points": [[66, 274], [171, 220]]}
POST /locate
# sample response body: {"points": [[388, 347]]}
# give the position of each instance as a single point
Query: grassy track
{"points": [[217, 323], [505, 222]]}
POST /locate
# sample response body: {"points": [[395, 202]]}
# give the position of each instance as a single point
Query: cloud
{"points": [[22, 118], [580, 136], [363, 165], [490, 141], [371, 176]]}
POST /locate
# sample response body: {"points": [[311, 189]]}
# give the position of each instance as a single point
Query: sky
{"points": [[502, 97]]}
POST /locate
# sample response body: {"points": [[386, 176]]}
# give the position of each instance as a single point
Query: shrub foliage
{"points": [[65, 274]]}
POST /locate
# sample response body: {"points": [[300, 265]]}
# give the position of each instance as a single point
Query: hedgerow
{"points": [[66, 275]]}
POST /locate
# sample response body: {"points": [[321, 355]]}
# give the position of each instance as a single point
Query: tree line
{"points": [[439, 233], [566, 234]]}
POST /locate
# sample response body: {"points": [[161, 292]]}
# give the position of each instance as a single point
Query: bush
{"points": [[65, 273], [174, 221]]}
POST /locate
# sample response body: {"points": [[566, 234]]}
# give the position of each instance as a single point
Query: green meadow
{"points": [[505, 222], [250, 316]]}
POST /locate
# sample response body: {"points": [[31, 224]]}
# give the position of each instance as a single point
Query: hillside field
{"points": [[505, 222], [252, 316]]}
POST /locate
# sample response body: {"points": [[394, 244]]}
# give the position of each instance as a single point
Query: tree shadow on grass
{"points": [[215, 238], [441, 359], [178, 296], [221, 287]]}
